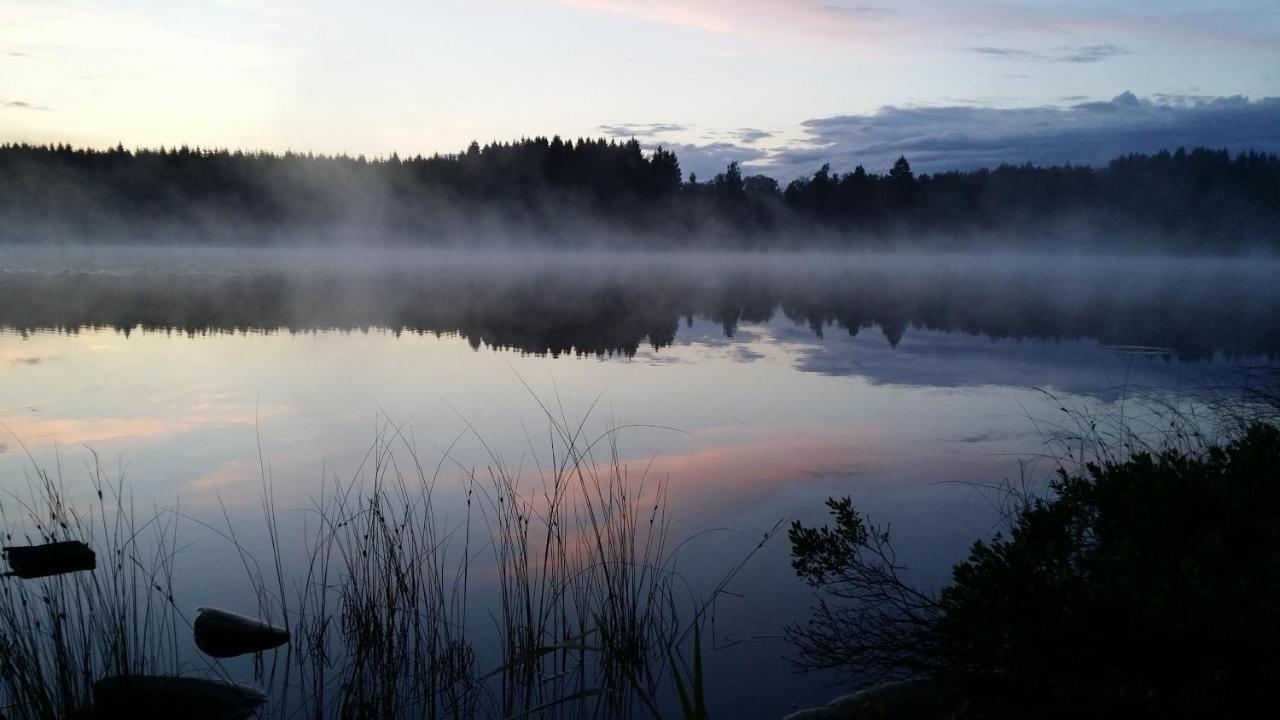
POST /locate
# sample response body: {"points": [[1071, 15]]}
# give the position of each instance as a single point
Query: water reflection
{"points": [[615, 305], [893, 380]]}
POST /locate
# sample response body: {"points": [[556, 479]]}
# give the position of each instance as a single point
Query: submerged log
{"points": [[223, 634], [35, 561], [161, 696]]}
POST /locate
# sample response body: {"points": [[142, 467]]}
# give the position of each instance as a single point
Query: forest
{"points": [[542, 191]]}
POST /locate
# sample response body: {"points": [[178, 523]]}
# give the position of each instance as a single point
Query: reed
{"points": [[553, 594], [59, 634], [574, 553]]}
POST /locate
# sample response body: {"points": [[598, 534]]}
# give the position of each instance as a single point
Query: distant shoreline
{"points": [[540, 193]]}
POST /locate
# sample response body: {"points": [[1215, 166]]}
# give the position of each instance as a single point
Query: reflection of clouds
{"points": [[745, 466], [18, 359], [939, 359], [708, 333], [735, 471], [87, 431], [984, 436], [72, 431], [925, 358], [200, 398], [657, 359], [229, 473]]}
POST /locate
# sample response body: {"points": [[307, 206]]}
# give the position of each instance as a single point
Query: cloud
{"points": [[966, 136], [742, 136], [641, 130], [20, 105], [704, 159], [860, 11], [1005, 53], [707, 160], [1079, 54], [750, 136], [1091, 53], [806, 26]]}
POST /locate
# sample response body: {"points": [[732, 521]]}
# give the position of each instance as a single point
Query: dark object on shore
{"points": [[35, 561], [223, 634], [159, 696], [1140, 585], [902, 699]]}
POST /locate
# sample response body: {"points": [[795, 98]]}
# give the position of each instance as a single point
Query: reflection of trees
{"points": [[571, 309]]}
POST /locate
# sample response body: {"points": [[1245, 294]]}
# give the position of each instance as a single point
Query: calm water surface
{"points": [[759, 385]]}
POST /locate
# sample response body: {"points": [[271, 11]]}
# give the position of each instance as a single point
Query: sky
{"points": [[781, 86]]}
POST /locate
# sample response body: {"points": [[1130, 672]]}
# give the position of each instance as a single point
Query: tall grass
{"points": [[388, 619], [552, 593], [59, 634]]}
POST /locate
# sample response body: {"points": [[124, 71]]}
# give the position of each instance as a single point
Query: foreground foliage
{"points": [[552, 596], [1144, 586]]}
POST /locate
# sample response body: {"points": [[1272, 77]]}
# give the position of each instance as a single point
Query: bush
{"points": [[1143, 586]]}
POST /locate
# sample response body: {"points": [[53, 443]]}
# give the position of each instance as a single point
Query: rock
{"points": [[143, 697], [35, 561], [223, 634], [903, 700]]}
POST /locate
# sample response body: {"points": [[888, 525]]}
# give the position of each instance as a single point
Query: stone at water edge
{"points": [[223, 634], [56, 558], [144, 697], [902, 700]]}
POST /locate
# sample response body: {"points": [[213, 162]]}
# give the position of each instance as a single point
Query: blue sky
{"points": [[781, 86]]}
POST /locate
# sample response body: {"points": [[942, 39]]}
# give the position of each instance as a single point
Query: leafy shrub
{"points": [[1142, 586]]}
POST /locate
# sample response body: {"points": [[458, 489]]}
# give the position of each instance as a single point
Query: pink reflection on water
{"points": [[745, 467], [36, 432]]}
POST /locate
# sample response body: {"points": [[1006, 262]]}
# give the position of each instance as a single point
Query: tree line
{"points": [[604, 191]]}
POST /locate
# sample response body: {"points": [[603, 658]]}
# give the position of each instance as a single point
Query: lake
{"points": [[753, 386]]}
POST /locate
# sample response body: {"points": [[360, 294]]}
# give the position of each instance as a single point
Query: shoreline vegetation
{"points": [[1158, 525], [544, 192], [1141, 582], [555, 595]]}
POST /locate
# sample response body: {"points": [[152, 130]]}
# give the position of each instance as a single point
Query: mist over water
{"points": [[613, 303], [765, 382]]}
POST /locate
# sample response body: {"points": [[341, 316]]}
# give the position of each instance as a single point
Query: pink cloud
{"points": [[862, 25], [792, 21]]}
